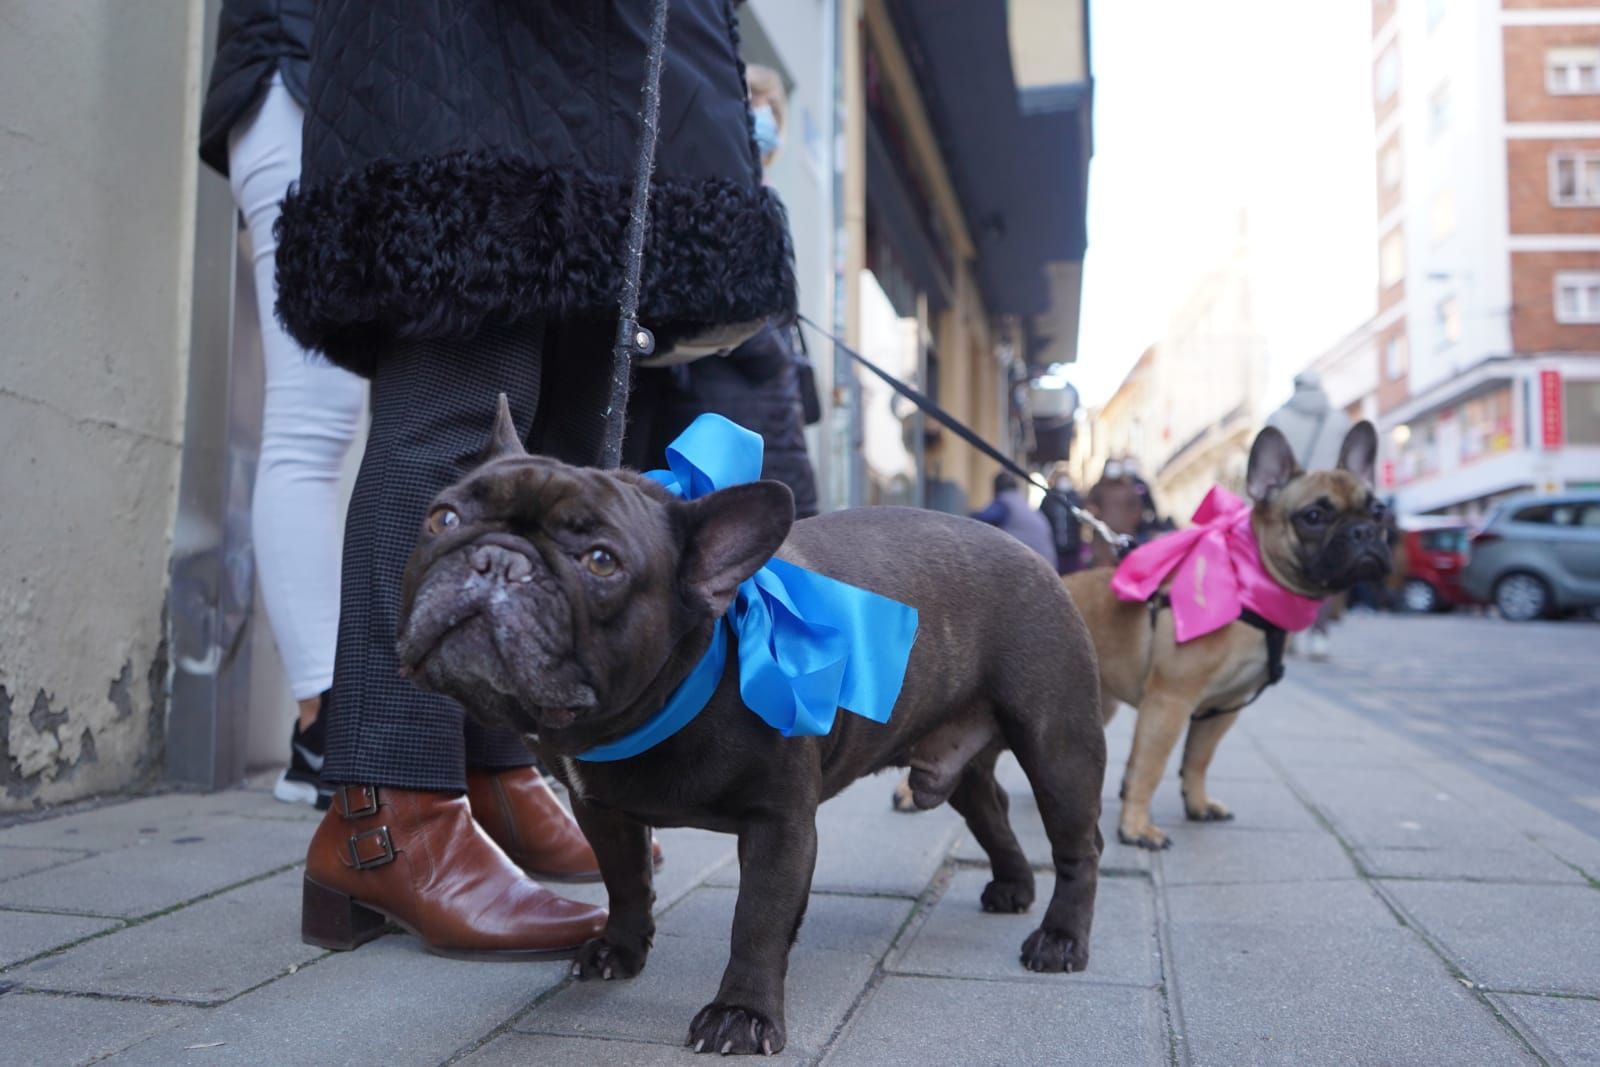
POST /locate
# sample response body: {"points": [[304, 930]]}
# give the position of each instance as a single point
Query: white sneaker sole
{"points": [[294, 792]]}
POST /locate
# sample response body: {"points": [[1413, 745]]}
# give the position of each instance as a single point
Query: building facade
{"points": [[1487, 335]]}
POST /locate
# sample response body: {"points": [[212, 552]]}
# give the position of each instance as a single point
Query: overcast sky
{"points": [[1204, 106]]}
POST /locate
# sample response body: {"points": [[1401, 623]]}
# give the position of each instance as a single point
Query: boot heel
{"points": [[330, 919]]}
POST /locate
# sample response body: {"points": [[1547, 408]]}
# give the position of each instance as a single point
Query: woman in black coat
{"points": [[459, 232]]}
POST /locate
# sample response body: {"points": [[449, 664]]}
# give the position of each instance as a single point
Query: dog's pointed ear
{"points": [[504, 440], [1359, 453], [1271, 465], [731, 535]]}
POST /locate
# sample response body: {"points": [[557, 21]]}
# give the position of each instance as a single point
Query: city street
{"points": [[1393, 890], [1517, 703]]}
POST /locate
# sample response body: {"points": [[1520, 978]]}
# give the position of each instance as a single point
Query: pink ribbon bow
{"points": [[1216, 571]]}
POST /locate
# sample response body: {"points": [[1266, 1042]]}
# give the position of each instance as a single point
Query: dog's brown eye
{"points": [[1311, 516], [601, 564], [442, 519]]}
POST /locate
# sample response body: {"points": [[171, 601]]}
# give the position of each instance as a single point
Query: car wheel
{"points": [[1521, 597], [1418, 596]]}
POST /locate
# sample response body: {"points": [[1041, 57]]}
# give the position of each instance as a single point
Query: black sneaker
{"points": [[301, 782]]}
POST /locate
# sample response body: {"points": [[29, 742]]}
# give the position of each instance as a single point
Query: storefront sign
{"points": [[1552, 430]]}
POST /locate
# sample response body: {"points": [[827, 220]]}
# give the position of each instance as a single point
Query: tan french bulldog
{"points": [[1319, 533]]}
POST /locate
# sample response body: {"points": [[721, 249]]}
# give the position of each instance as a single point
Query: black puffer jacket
{"points": [[255, 39], [468, 161]]}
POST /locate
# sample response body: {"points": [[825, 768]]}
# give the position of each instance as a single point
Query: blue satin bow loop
{"points": [[808, 644]]}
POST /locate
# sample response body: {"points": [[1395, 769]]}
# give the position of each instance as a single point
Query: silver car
{"points": [[1537, 555]]}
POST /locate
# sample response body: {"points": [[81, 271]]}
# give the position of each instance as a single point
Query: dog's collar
{"points": [[809, 645], [686, 701]]}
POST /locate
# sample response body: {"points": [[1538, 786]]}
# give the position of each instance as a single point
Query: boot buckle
{"points": [[357, 801], [371, 848]]}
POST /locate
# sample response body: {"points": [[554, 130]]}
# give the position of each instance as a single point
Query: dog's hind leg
{"points": [[1204, 736], [1061, 745], [983, 803]]}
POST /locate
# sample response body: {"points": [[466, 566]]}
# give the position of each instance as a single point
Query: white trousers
{"points": [[312, 413]]}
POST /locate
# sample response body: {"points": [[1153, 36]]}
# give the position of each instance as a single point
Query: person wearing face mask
{"points": [[758, 384], [1065, 529]]}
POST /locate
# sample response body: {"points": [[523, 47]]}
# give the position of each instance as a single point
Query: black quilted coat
{"points": [[255, 38], [468, 161]]}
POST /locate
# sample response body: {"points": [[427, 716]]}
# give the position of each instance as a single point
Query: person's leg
{"points": [[312, 412]]}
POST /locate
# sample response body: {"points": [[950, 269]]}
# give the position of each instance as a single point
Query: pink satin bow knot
{"points": [[1216, 573]]}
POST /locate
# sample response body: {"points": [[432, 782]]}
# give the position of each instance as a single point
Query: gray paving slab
{"points": [[923, 1021], [166, 869], [24, 935], [44, 1030], [1029, 828], [1529, 938], [1216, 852], [863, 846], [1311, 974], [1566, 1026], [547, 1050], [837, 953], [691, 856], [1529, 864], [125, 823], [205, 953], [957, 938], [18, 861], [388, 1002], [259, 804]]}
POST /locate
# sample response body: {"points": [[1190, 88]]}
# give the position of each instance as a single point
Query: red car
{"points": [[1434, 556]]}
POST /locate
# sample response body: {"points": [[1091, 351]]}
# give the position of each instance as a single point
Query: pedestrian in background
{"points": [[1314, 429], [250, 134], [1066, 531], [1011, 512], [459, 233]]}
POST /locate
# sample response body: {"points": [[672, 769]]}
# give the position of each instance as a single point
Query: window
{"points": [[1448, 315], [1392, 258], [1543, 514], [1568, 71], [1396, 357], [1389, 166], [1575, 179], [1439, 110], [1442, 217], [1578, 296], [1450, 539], [1387, 81], [1582, 403]]}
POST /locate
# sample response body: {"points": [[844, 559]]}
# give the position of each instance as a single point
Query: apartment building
{"points": [[1487, 335]]}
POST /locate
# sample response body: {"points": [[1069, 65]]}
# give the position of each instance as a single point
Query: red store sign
{"points": [[1552, 428]]}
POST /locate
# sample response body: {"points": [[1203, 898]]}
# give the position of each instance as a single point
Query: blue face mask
{"points": [[766, 130]]}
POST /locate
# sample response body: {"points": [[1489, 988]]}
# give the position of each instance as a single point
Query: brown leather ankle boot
{"points": [[419, 859], [518, 810]]}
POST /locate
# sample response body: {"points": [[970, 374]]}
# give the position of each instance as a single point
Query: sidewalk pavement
{"points": [[1372, 903]]}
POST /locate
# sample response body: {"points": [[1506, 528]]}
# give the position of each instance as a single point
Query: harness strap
{"points": [[1277, 639]]}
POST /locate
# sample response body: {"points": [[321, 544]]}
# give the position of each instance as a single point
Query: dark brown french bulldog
{"points": [[1319, 533], [569, 603]]}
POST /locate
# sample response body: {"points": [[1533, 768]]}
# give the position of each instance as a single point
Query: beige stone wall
{"points": [[97, 171]]}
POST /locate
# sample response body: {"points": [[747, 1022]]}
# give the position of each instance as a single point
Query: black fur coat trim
{"points": [[435, 248]]}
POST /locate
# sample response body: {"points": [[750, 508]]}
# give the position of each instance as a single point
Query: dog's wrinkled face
{"points": [[550, 598], [1320, 531]]}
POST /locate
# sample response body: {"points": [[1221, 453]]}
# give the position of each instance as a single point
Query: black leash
{"points": [[1121, 543], [634, 341]]}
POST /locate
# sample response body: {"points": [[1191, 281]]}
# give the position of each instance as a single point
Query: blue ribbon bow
{"points": [[808, 644]]}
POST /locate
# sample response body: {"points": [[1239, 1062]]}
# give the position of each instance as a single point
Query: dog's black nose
{"points": [[1363, 532], [495, 562]]}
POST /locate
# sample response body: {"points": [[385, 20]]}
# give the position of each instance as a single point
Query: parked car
{"points": [[1536, 555], [1434, 553]]}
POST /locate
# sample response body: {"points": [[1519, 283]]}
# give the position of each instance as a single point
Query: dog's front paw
{"points": [[1007, 898], [731, 1030], [1210, 811], [1054, 951], [1144, 836], [605, 960]]}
